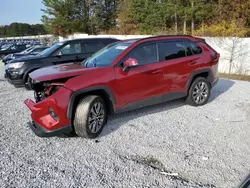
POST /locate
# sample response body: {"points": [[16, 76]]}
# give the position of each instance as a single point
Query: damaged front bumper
{"points": [[49, 116], [42, 132]]}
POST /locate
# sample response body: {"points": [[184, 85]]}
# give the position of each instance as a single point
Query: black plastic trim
{"points": [[195, 73], [152, 101], [94, 88], [42, 132]]}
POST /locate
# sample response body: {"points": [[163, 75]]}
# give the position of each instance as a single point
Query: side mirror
{"points": [[131, 62]]}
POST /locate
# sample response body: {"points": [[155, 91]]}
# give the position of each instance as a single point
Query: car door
{"points": [[142, 85], [69, 52], [178, 62]]}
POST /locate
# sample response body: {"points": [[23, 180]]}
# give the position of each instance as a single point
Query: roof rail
{"points": [[158, 36]]}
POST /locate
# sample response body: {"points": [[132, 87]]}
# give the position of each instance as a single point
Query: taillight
{"points": [[216, 56]]}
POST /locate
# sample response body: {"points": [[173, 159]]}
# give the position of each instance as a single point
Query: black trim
{"points": [[195, 73], [160, 36], [152, 101], [42, 132], [94, 88]]}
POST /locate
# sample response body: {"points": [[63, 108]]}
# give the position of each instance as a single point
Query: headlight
{"points": [[15, 65]]}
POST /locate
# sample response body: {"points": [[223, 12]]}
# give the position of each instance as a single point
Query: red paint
{"points": [[140, 82]]}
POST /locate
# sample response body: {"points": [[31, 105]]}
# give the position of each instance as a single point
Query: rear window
{"points": [[174, 49], [195, 48]]}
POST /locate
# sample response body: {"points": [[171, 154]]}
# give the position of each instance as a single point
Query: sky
{"points": [[24, 11]]}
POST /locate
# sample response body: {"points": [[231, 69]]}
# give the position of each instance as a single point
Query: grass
{"points": [[235, 76]]}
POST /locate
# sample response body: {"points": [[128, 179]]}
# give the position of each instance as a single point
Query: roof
{"points": [[97, 38]]}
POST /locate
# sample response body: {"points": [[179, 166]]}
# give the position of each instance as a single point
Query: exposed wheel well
{"points": [[102, 93]]}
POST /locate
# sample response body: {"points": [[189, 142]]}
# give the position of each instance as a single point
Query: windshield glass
{"points": [[106, 55], [50, 50]]}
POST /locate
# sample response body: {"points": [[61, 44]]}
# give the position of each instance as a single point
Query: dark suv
{"points": [[17, 71], [123, 76]]}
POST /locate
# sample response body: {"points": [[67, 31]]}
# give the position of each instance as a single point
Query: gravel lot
{"points": [[207, 146]]}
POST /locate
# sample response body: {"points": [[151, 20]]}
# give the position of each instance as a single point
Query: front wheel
{"points": [[90, 116], [28, 84], [199, 92]]}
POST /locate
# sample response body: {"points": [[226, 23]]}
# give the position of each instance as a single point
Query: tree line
{"points": [[22, 29], [200, 17], [196, 17]]}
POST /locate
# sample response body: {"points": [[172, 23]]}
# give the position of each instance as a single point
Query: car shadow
{"points": [[222, 86]]}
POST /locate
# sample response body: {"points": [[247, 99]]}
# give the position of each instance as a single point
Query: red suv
{"points": [[123, 76]]}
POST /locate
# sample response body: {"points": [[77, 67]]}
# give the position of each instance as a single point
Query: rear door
{"points": [[178, 62], [141, 85], [70, 52]]}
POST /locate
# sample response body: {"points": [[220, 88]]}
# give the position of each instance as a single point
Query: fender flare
{"points": [[82, 91], [195, 73], [29, 71]]}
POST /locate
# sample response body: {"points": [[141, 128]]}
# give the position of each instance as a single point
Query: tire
{"points": [[1, 57], [199, 90], [86, 109], [28, 85]]}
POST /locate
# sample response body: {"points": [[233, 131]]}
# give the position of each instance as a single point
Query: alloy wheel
{"points": [[96, 117], [200, 92]]}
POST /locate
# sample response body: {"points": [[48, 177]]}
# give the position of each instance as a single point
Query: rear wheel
{"points": [[199, 92], [90, 116]]}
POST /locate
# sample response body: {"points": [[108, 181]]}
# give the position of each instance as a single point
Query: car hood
{"points": [[59, 71], [27, 58], [18, 54]]}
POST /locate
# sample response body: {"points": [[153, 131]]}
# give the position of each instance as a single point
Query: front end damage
{"points": [[49, 111], [43, 90]]}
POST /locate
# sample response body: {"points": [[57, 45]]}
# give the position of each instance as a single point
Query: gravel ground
{"points": [[167, 145]]}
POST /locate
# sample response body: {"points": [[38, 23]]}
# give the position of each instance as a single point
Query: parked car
{"points": [[28, 52], [17, 71], [10, 49], [123, 76]]}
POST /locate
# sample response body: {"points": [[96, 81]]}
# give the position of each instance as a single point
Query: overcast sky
{"points": [[24, 11]]}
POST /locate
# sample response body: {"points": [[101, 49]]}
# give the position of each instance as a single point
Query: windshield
{"points": [[106, 55], [50, 50]]}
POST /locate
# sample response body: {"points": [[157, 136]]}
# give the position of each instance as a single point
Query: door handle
{"points": [[157, 71], [192, 62]]}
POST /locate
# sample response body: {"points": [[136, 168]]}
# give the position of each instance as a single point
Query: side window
{"points": [[71, 48], [145, 54], [174, 49], [36, 50], [91, 47], [195, 48]]}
